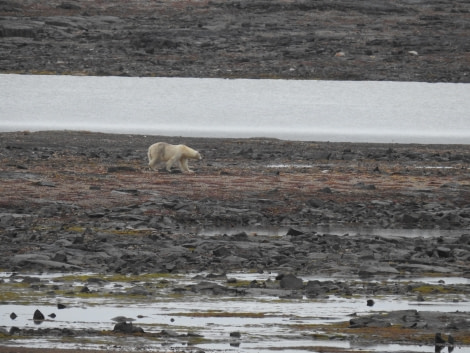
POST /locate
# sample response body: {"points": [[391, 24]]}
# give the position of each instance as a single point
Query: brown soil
{"points": [[79, 167]]}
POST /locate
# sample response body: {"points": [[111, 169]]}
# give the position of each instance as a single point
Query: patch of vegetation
{"points": [[7, 337], [430, 288], [18, 293], [81, 230], [145, 277], [393, 333], [75, 229]]}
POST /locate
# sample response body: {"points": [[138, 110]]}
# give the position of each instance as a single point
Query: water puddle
{"points": [[264, 321], [326, 229], [326, 167]]}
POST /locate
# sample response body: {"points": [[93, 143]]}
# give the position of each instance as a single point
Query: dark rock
{"points": [[289, 281], [368, 322], [13, 316], [450, 340], [444, 252], [222, 251], [410, 219], [370, 302], [362, 186], [68, 6], [438, 340], [60, 257], [38, 316], [29, 279], [235, 334], [316, 203], [128, 328], [242, 236], [294, 232], [314, 288], [61, 306], [14, 330], [46, 183]]}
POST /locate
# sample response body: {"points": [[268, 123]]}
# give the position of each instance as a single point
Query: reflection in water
{"points": [[267, 322]]}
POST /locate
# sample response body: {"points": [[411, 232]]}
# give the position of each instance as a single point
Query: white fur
{"points": [[165, 152]]}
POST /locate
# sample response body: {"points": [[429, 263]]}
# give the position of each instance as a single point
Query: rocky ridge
{"points": [[402, 40]]}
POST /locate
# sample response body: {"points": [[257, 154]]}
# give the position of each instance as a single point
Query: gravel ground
{"points": [[399, 40]]}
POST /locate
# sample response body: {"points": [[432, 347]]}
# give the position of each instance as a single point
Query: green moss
{"points": [[18, 293], [8, 337], [75, 229], [429, 288], [393, 333], [118, 277], [88, 295], [193, 340]]}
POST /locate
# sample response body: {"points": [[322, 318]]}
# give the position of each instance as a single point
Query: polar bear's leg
{"points": [[184, 166], [172, 161], [152, 160], [181, 165]]}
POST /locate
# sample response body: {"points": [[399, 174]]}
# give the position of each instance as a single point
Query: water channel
{"points": [[265, 322]]}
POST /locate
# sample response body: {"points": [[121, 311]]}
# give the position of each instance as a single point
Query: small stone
{"points": [[294, 232], [451, 340], [444, 252], [290, 281], [438, 340], [38, 316], [14, 330], [46, 183]]}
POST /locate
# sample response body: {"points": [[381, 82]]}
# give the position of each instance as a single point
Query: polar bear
{"points": [[165, 152]]}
